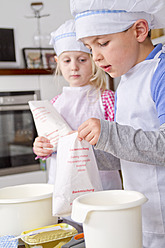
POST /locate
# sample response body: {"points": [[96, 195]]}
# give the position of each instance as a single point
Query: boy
{"points": [[121, 46]]}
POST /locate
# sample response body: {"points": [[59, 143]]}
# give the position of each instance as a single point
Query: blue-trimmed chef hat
{"points": [[99, 17], [64, 39]]}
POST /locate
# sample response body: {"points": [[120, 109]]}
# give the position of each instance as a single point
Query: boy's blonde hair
{"points": [[98, 78]]}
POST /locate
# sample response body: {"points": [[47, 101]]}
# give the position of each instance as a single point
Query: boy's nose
{"points": [[96, 56]]}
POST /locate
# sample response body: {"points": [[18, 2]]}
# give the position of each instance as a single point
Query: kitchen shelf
{"points": [[25, 71]]}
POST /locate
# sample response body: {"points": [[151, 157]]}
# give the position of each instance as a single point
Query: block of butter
{"points": [[51, 239]]}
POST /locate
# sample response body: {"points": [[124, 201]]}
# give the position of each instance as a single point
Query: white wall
{"points": [[13, 12]]}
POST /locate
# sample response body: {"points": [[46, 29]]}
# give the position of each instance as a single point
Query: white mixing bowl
{"points": [[25, 207], [111, 218]]}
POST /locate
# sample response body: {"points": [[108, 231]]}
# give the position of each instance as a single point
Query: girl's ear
{"points": [[141, 28], [56, 58]]}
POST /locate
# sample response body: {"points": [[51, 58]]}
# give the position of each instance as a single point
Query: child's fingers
{"points": [[89, 136], [83, 134], [91, 125], [92, 138], [83, 125], [90, 131], [83, 130], [42, 142], [42, 152], [42, 139], [41, 145]]}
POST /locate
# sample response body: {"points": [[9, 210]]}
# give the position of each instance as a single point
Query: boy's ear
{"points": [[141, 28]]}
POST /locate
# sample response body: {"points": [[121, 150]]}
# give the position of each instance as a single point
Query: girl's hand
{"points": [[40, 146], [90, 131]]}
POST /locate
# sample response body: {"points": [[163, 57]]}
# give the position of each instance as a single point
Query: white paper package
{"points": [[49, 123], [76, 173]]}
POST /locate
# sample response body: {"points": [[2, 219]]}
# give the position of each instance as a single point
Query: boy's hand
{"points": [[40, 146], [90, 131]]}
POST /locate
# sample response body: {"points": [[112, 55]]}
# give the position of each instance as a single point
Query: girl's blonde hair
{"points": [[98, 78]]}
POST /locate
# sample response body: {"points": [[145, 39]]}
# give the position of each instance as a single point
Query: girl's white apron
{"points": [[76, 105], [136, 108]]}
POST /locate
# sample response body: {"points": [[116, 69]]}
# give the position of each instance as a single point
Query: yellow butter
{"points": [[51, 239]]}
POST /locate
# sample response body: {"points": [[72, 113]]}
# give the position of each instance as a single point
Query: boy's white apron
{"points": [[136, 108], [76, 105]]}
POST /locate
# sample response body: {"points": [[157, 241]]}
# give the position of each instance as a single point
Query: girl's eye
{"points": [[104, 44], [82, 60]]}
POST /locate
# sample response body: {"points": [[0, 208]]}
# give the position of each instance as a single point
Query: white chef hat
{"points": [[64, 39], [99, 17]]}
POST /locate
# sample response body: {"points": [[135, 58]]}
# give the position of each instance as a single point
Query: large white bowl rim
{"points": [[110, 200], [25, 193]]}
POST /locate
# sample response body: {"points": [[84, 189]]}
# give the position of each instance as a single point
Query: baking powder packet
{"points": [[76, 173], [49, 123]]}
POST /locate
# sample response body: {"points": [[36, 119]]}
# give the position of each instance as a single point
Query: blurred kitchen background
{"points": [[28, 24], [27, 73]]}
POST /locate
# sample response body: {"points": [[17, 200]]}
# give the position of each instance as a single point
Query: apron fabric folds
{"points": [[136, 108], [76, 105]]}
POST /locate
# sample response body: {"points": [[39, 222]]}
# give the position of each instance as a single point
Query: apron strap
{"points": [[161, 51]]}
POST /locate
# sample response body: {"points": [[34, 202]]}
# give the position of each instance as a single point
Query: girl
{"points": [[86, 97]]}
